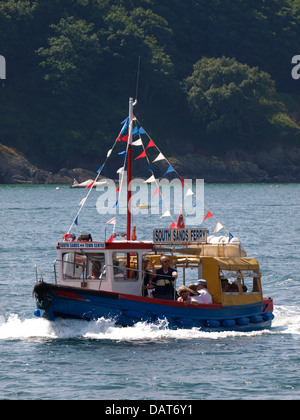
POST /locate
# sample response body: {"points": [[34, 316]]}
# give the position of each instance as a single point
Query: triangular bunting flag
{"points": [[125, 126], [137, 143], [125, 138], [166, 214], [111, 238], [91, 185], [189, 192], [172, 226], [170, 169], [142, 155], [109, 153], [100, 169], [142, 131], [120, 170], [118, 189], [149, 180], [218, 227], [157, 191], [122, 153], [150, 144], [76, 221], [112, 221], [230, 237], [82, 201], [182, 181], [208, 215], [159, 157], [135, 131]]}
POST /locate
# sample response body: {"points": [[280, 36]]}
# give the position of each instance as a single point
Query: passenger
{"points": [[96, 271], [195, 295], [233, 288], [203, 292], [148, 275], [225, 285], [184, 296], [165, 280]]}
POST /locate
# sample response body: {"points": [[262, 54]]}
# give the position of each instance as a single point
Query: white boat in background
{"points": [[88, 184]]}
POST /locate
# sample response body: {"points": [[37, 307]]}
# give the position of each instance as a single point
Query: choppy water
{"points": [[72, 359]]}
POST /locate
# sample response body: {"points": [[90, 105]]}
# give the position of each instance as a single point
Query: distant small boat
{"points": [[88, 184], [143, 206]]}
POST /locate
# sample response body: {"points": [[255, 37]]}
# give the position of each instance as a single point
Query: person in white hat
{"points": [[203, 292]]}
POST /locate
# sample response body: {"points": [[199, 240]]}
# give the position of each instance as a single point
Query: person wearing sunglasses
{"points": [[186, 296], [165, 280]]}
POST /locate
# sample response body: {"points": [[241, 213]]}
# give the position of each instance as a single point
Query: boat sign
{"points": [[180, 236], [81, 245]]}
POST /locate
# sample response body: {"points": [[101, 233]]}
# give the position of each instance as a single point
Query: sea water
{"points": [[73, 359]]}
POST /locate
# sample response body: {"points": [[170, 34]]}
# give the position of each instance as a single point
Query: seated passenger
{"points": [[203, 292], [184, 296], [148, 275], [195, 295], [225, 285], [233, 288], [96, 271]]}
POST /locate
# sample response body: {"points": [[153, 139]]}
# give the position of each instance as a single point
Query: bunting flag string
{"points": [[160, 157], [219, 225], [90, 188], [152, 178]]}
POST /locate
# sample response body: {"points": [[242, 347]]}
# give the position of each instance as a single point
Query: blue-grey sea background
{"points": [[71, 359]]}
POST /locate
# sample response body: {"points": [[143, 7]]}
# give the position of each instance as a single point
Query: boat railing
{"points": [[39, 277]]}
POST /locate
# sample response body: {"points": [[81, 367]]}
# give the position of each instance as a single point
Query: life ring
{"points": [[69, 237]]}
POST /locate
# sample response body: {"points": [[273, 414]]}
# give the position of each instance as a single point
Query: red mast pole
{"points": [[129, 167]]}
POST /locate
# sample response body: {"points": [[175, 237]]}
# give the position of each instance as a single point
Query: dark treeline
{"points": [[215, 75]]}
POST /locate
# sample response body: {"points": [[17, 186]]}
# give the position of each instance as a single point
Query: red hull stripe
{"points": [[69, 295]]}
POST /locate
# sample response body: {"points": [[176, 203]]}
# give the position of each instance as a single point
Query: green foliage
{"points": [[225, 95], [72, 64], [72, 52]]}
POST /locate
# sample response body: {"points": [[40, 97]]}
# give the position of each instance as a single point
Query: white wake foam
{"points": [[287, 321]]}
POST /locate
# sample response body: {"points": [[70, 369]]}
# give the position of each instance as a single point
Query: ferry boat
{"points": [[94, 279]]}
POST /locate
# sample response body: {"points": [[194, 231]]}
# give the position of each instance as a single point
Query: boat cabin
{"points": [[107, 266], [117, 267]]}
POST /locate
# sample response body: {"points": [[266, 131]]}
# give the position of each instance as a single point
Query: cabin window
{"points": [[250, 282], [79, 266], [230, 281], [125, 266], [73, 265], [240, 281], [95, 267]]}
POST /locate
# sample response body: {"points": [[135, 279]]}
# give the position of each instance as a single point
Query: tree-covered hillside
{"points": [[215, 75]]}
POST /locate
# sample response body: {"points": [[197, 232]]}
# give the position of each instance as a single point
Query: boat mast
{"points": [[129, 174]]}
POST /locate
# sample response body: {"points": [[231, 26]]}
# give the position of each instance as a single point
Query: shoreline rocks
{"points": [[277, 165]]}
